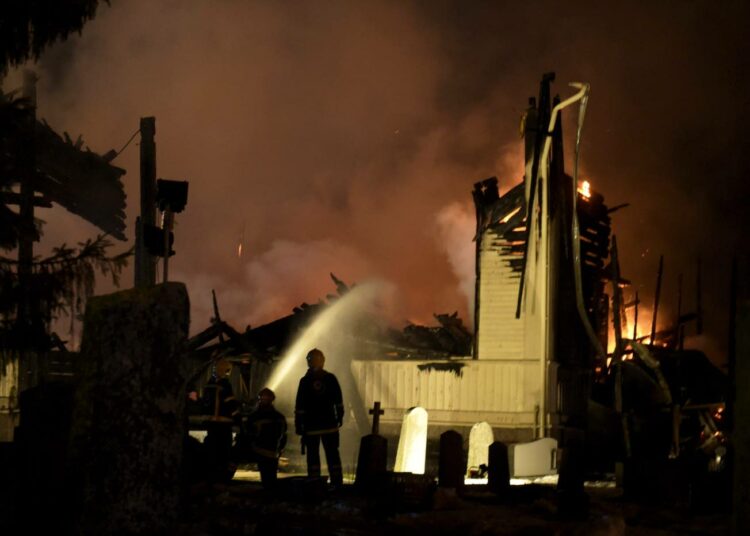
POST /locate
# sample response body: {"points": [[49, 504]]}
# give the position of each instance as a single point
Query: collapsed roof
{"points": [[449, 338]]}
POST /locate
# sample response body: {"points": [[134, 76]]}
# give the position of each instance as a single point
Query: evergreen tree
{"points": [[27, 27], [61, 283]]}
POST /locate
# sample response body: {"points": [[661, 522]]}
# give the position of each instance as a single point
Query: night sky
{"points": [[346, 137]]}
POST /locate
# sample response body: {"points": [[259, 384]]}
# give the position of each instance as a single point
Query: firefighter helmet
{"points": [[266, 395], [316, 358], [223, 368]]}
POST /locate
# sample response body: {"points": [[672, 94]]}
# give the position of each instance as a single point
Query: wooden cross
{"points": [[376, 412]]}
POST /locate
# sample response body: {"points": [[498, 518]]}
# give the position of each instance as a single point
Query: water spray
{"points": [[324, 331]]}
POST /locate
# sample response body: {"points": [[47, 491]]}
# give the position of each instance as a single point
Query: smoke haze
{"points": [[345, 137]]}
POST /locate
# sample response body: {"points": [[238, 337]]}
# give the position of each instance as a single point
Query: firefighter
{"points": [[225, 412], [265, 431], [318, 415]]}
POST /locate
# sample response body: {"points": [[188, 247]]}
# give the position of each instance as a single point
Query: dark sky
{"points": [[346, 136]]}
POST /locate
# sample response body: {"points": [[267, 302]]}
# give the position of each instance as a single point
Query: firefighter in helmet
{"points": [[318, 415], [224, 411], [265, 432]]}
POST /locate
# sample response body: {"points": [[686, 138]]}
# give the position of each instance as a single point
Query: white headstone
{"points": [[537, 458], [480, 439], [412, 444]]}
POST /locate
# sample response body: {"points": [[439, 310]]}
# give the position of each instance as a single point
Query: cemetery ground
{"points": [[106, 457], [306, 507], [300, 506]]}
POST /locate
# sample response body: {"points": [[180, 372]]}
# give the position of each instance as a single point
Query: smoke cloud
{"points": [[344, 136], [455, 223], [287, 273]]}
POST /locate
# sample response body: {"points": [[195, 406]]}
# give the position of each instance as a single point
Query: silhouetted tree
{"points": [[27, 27], [60, 283], [13, 113]]}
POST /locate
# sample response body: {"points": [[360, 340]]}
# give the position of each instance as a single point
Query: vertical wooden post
{"points": [[167, 225], [656, 298], [145, 264], [698, 299], [635, 318], [616, 302], [680, 329]]}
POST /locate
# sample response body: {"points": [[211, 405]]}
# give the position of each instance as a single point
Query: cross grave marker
{"points": [[376, 412]]}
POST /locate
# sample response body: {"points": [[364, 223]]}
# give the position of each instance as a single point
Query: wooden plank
{"points": [[13, 198]]}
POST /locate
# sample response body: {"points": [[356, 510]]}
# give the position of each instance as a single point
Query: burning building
{"points": [[536, 365], [540, 309]]}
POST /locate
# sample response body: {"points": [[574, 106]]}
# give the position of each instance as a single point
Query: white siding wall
{"points": [[504, 393], [500, 334]]}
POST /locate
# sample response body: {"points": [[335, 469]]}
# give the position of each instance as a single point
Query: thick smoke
{"points": [[339, 134], [286, 273], [455, 223]]}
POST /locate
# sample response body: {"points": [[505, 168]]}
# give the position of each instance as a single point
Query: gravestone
{"points": [[498, 474], [480, 439], [412, 444], [127, 427], [452, 464], [373, 453], [536, 458]]}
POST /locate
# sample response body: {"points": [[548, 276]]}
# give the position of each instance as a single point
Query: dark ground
{"points": [[298, 508], [303, 507]]}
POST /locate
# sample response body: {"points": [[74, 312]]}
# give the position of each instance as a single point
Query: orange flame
{"points": [[585, 189], [643, 329]]}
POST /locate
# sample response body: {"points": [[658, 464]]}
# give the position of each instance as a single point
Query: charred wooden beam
{"points": [[12, 198], [81, 181], [208, 334], [617, 207], [616, 302], [543, 115], [635, 316], [656, 297], [341, 287], [698, 298], [679, 331]]}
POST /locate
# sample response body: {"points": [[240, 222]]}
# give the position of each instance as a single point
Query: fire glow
{"points": [[507, 218], [642, 331], [585, 189]]}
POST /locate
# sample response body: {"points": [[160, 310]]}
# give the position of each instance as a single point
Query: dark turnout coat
{"points": [[218, 399], [319, 408], [266, 432]]}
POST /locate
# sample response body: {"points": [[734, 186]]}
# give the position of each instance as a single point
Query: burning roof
{"points": [[449, 338]]}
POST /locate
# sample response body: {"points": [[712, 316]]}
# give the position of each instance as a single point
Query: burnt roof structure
{"points": [[83, 182]]}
